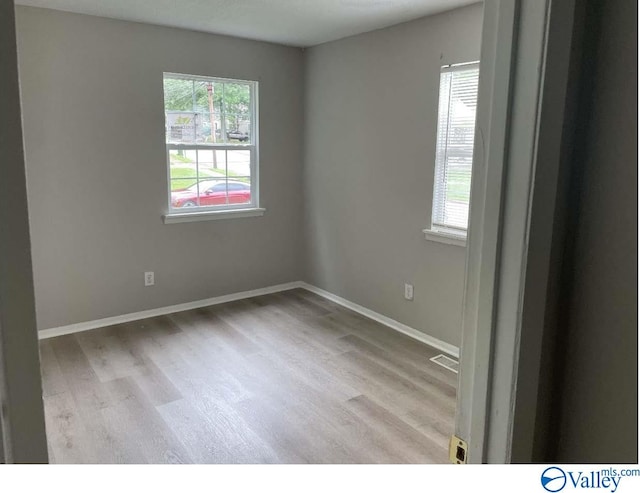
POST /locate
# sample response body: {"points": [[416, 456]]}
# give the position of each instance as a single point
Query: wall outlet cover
{"points": [[408, 292], [149, 279]]}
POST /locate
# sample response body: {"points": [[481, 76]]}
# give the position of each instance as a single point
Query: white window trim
{"points": [[209, 215], [446, 236], [231, 211]]}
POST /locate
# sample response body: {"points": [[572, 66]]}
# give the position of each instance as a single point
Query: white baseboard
{"points": [[445, 347], [165, 310]]}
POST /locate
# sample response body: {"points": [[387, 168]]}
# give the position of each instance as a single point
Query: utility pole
{"points": [[212, 119]]}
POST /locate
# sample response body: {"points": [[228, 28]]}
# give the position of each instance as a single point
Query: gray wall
{"points": [[94, 132], [22, 429], [597, 396], [371, 107], [96, 193]]}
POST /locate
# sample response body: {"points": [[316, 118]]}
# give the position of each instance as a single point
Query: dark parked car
{"points": [[238, 135]]}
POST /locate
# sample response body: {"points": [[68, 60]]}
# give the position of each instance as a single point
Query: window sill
{"points": [[445, 237], [189, 217]]}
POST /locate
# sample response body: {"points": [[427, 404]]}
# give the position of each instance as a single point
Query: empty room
{"points": [[224, 229], [279, 232]]}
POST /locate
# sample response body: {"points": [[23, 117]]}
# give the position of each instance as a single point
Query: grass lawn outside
{"points": [[458, 183], [177, 158], [458, 190], [183, 177]]}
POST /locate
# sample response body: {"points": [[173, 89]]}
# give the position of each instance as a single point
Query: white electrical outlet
{"points": [[149, 279], [408, 292]]}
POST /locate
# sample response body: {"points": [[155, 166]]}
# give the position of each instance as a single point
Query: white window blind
{"points": [[454, 148]]}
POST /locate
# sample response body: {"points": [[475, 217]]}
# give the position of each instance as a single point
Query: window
{"points": [[454, 149], [211, 139]]}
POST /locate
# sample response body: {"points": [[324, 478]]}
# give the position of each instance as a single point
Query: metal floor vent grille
{"points": [[445, 361]]}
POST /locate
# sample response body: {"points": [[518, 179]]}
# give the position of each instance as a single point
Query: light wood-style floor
{"points": [[282, 378]]}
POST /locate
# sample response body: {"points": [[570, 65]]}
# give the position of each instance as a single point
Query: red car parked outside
{"points": [[212, 192]]}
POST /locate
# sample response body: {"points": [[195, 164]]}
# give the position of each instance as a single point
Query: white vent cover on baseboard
{"points": [[446, 362]]}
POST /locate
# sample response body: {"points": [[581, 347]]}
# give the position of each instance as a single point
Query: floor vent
{"points": [[445, 361]]}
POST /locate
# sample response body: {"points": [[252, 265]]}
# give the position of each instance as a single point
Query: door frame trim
{"points": [[507, 266], [22, 411]]}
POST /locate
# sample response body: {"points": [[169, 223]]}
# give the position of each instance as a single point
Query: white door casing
{"points": [[513, 186]]}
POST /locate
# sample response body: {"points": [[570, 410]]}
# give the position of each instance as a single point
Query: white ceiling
{"points": [[291, 22]]}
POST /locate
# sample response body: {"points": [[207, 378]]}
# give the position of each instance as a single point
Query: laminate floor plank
{"points": [[283, 378], [401, 438], [220, 437], [273, 327], [66, 432], [295, 394], [134, 418], [393, 392], [96, 440], [288, 439], [108, 355], [324, 336], [297, 305], [200, 377], [303, 352], [438, 387], [397, 345], [53, 381], [205, 323]]}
